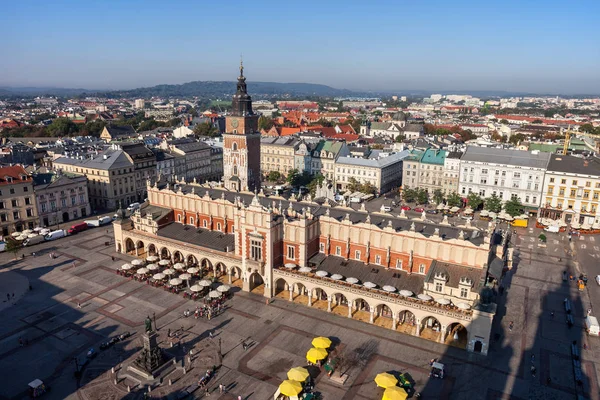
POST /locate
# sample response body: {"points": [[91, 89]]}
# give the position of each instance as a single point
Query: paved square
{"points": [[55, 332]]}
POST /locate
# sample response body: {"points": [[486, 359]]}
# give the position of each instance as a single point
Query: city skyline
{"points": [[349, 46]]}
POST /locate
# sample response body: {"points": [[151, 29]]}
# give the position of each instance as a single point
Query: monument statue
{"points": [[148, 323]]}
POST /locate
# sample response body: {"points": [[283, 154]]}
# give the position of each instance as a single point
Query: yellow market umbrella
{"points": [[314, 355], [394, 393], [298, 374], [321, 342], [386, 380], [290, 388]]}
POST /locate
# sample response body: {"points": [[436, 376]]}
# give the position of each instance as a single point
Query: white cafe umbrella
{"points": [[454, 209], [523, 216], [204, 282], [337, 277], [352, 280], [142, 271], [169, 271], [192, 270], [175, 282], [463, 306], [468, 210], [424, 297], [596, 225], [179, 266], [369, 285], [305, 269], [37, 229], [440, 206], [15, 234], [196, 288], [223, 288], [443, 301], [406, 293], [27, 231], [214, 294], [493, 215], [164, 262], [159, 276], [389, 288], [21, 237], [322, 273], [586, 226], [290, 265], [137, 262], [126, 267], [484, 213], [185, 276], [32, 235], [152, 267], [152, 258], [575, 225]]}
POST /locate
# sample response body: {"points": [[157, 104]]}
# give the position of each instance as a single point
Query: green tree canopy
{"points": [[454, 200], [409, 195], [206, 129], [62, 127], [513, 207], [474, 200], [292, 177], [265, 123], [274, 176], [438, 196], [422, 196], [314, 183], [12, 246], [493, 203]]}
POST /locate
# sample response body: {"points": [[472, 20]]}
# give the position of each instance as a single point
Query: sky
{"points": [[514, 45]]}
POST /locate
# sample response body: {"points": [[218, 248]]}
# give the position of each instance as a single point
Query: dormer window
{"points": [[465, 285], [9, 179], [440, 280]]}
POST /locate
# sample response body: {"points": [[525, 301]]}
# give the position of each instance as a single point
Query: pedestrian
{"points": [[50, 256], [169, 332], [73, 264], [510, 326], [33, 253], [7, 296], [552, 314], [113, 258], [21, 342], [239, 398], [207, 392], [221, 387], [13, 295], [78, 305], [210, 334]]}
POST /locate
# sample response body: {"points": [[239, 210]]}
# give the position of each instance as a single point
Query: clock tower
{"points": [[241, 142]]}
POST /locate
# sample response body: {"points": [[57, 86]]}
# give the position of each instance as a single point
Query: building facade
{"points": [[61, 198], [278, 154], [506, 173], [18, 210], [572, 190], [431, 170], [451, 173], [324, 156], [144, 165], [383, 172]]}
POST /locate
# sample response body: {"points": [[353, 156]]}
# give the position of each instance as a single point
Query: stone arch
{"points": [[152, 249], [281, 288], [220, 269], [407, 322], [206, 266], [129, 246], [191, 260], [164, 253], [360, 309], [256, 282], [177, 256], [319, 298], [457, 335], [235, 274], [383, 315], [430, 328], [339, 304]]}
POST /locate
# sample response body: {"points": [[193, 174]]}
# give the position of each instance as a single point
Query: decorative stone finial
{"points": [[461, 235], [363, 207], [368, 219], [412, 227], [347, 218], [436, 232], [423, 215], [445, 220], [402, 214]]}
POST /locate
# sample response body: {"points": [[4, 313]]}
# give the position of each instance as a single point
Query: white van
{"points": [[133, 206], [2, 246], [34, 240], [591, 326], [55, 235]]}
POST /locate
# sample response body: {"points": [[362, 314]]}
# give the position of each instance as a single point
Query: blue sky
{"points": [[533, 45]]}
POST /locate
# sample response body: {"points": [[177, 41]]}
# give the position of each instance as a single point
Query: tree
{"points": [[316, 181], [12, 246], [61, 127], [265, 123], [409, 195], [422, 196], [292, 177], [537, 121], [513, 207], [493, 204], [438, 196], [504, 121], [474, 200], [454, 200], [516, 138], [274, 176], [400, 138], [353, 185], [206, 129], [368, 188]]}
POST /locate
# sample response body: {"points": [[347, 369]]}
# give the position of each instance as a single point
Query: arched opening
{"points": [[236, 277], [281, 289], [129, 246], [457, 335], [431, 329], [361, 310], [177, 257], [407, 323], [383, 316], [206, 267], [65, 216], [191, 261], [299, 293], [119, 249], [165, 254], [151, 250], [221, 271], [339, 304], [141, 249], [319, 299], [478, 346], [256, 283]]}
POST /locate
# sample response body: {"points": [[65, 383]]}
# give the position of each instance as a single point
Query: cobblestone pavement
{"points": [[57, 332]]}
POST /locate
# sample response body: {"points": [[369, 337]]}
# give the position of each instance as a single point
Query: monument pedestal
{"points": [[150, 359]]}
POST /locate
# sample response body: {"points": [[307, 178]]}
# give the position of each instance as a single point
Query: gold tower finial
{"points": [[241, 66]]}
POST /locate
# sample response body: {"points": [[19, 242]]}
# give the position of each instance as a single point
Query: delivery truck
{"points": [[591, 326], [34, 240], [55, 235]]}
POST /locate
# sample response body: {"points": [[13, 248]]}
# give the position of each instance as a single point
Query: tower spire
{"points": [[241, 66]]}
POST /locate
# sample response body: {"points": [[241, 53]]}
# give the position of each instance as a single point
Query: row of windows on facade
{"points": [[191, 221], [356, 172], [574, 193], [63, 203], [15, 203], [13, 191], [435, 168], [513, 196], [575, 182], [16, 215], [559, 204], [497, 172], [501, 182]]}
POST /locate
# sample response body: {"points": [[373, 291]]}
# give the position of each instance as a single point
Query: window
{"points": [[378, 260], [3, 218], [563, 181], [179, 218], [15, 215], [527, 199], [464, 292], [73, 200], [573, 192], [484, 171], [52, 205], [43, 207], [192, 221], [14, 203], [29, 212], [421, 268], [81, 199], [357, 255], [63, 202], [516, 174], [234, 146], [26, 189], [12, 190], [204, 224], [439, 287], [338, 251], [322, 247], [1, 205], [574, 183], [551, 180], [534, 200], [291, 252], [256, 250]]}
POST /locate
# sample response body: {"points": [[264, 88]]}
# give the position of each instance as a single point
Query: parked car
{"points": [[82, 226], [406, 208], [133, 206], [431, 211], [419, 209], [386, 208]]}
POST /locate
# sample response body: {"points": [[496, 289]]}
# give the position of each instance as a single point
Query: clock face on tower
{"points": [[234, 123]]}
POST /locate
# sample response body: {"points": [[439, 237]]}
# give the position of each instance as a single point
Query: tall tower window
{"points": [[235, 170], [256, 250], [234, 146]]}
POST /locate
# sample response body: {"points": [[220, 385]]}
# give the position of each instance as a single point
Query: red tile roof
{"points": [[15, 172]]}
